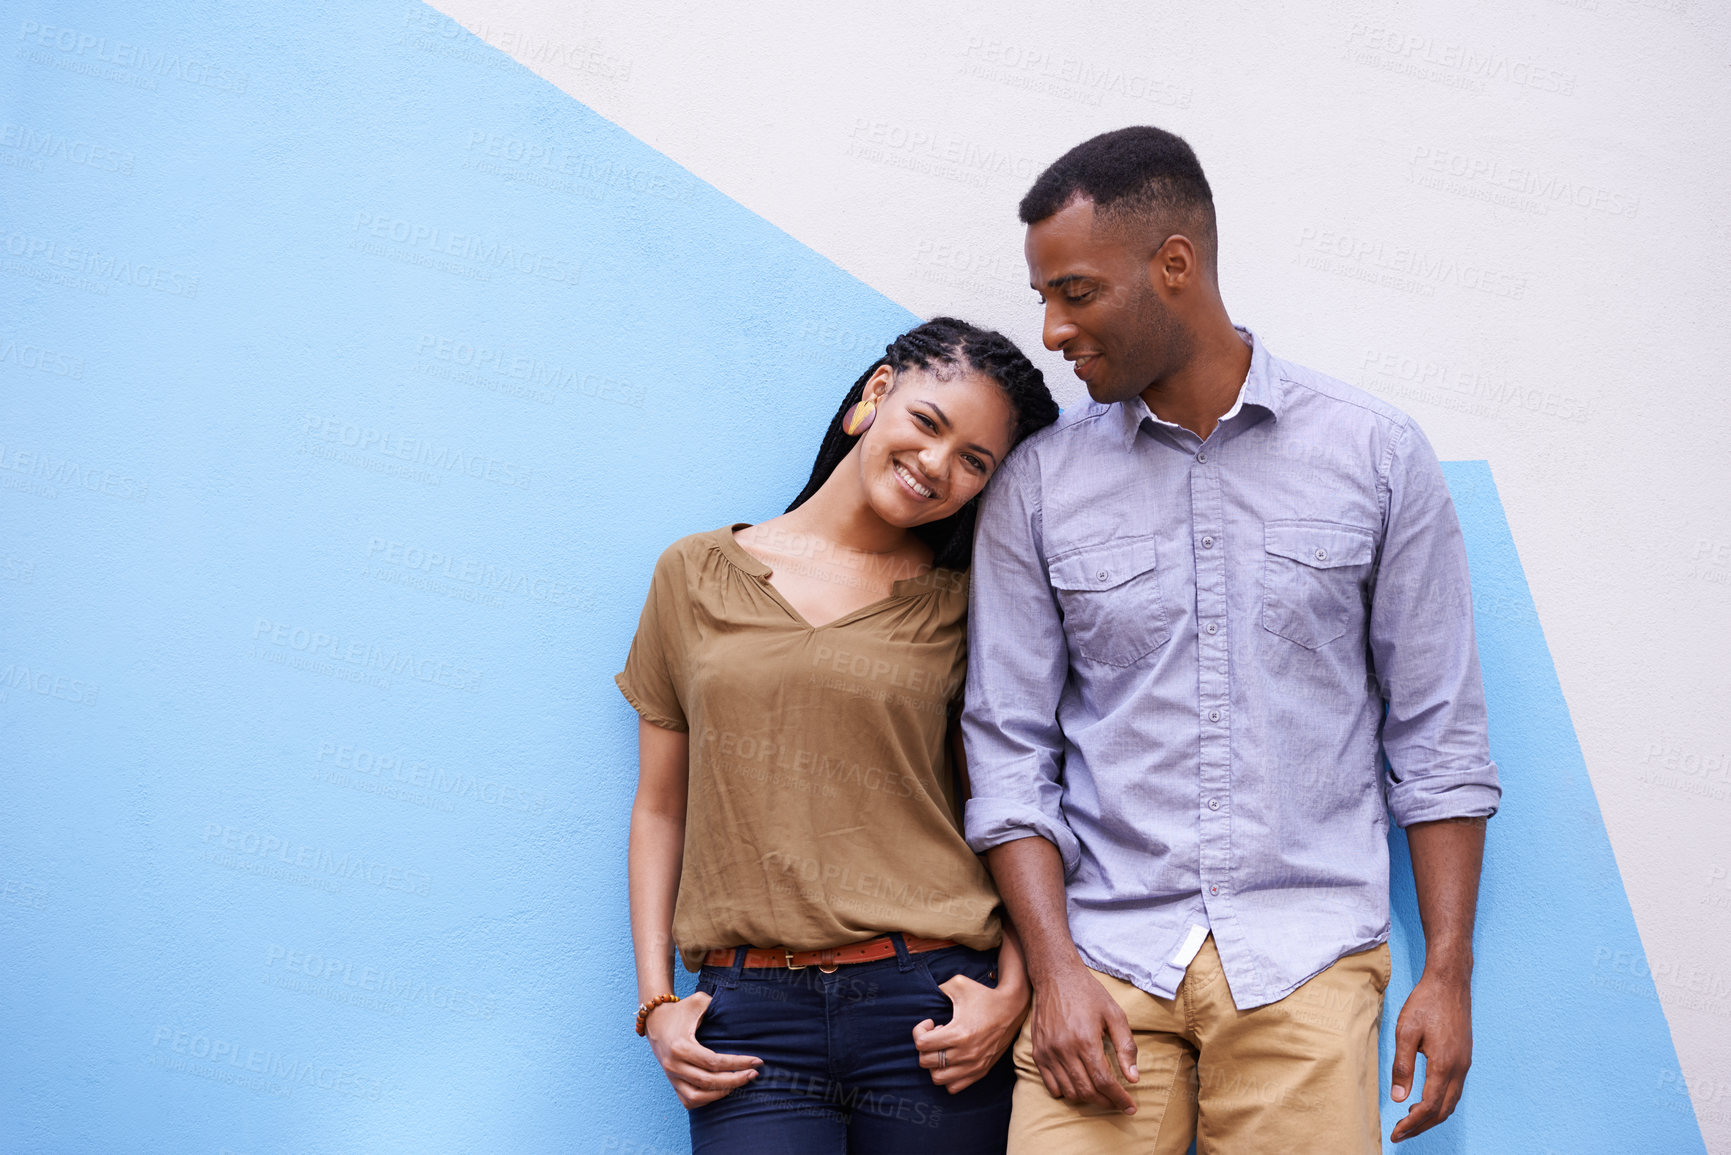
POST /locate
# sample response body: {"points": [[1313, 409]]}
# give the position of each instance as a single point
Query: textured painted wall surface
{"points": [[351, 378], [1500, 217]]}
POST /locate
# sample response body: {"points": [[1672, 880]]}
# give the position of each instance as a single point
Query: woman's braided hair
{"points": [[946, 341]]}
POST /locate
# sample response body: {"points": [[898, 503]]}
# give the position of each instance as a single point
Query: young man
{"points": [[1203, 610]]}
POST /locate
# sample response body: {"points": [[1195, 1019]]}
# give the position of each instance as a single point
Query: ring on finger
{"points": [[943, 1058]]}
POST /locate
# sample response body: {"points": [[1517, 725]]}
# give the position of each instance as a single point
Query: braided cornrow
{"points": [[945, 341]]}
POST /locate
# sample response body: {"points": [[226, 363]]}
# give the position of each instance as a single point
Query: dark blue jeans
{"points": [[840, 1075]]}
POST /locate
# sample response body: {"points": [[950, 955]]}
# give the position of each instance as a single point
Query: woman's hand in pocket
{"points": [[985, 1022], [698, 1074]]}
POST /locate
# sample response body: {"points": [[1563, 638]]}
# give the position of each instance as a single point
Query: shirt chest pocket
{"points": [[1313, 575], [1111, 601]]}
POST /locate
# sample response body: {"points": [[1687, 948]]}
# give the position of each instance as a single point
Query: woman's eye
{"points": [[927, 421], [976, 463]]}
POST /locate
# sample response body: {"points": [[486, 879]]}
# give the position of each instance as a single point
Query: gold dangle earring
{"points": [[859, 417]]}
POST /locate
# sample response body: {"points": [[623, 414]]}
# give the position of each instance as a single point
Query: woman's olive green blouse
{"points": [[820, 809]]}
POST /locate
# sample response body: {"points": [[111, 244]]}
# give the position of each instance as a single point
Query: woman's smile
{"points": [[912, 483]]}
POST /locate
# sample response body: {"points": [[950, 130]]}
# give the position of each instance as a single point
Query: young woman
{"points": [[796, 831]]}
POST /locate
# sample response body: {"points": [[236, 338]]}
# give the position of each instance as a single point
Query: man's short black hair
{"points": [[1142, 177]]}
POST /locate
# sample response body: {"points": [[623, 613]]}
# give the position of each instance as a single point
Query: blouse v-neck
{"points": [[745, 560]]}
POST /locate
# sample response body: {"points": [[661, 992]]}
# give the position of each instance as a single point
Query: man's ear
{"points": [[1173, 265]]}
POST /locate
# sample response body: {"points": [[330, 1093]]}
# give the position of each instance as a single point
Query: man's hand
{"points": [[1438, 1016], [1073, 1016], [1438, 1020]]}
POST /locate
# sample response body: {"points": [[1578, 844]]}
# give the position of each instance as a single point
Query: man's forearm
{"points": [[1446, 857], [1029, 873]]}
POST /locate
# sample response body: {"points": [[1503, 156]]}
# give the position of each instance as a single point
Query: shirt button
{"points": [[1322, 555], [1214, 715], [1222, 667], [1214, 627], [1214, 804], [1202, 458], [1101, 575], [1214, 890], [1207, 543]]}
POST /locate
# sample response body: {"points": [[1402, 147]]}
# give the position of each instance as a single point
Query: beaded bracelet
{"points": [[643, 1011]]}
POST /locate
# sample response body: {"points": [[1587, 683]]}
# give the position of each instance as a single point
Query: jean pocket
{"points": [[1111, 600], [718, 994], [1313, 579], [940, 966]]}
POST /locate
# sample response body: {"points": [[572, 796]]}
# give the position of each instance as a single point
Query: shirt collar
{"points": [[1261, 388]]}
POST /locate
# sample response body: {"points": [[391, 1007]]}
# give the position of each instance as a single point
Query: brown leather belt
{"points": [[825, 960]]}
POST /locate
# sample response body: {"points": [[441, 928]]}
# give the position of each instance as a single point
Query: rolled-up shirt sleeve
{"points": [[1435, 734], [1017, 664]]}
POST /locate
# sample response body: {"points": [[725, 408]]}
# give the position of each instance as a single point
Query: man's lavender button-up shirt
{"points": [[1187, 662]]}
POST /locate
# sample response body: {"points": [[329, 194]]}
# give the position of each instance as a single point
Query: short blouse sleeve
{"points": [[650, 680]]}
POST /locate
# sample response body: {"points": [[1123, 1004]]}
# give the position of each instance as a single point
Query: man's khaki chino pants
{"points": [[1293, 1077]]}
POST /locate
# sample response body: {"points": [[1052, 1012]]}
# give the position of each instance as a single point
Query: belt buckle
{"points": [[791, 965]]}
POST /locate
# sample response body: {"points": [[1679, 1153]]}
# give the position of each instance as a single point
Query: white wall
{"points": [[1507, 219]]}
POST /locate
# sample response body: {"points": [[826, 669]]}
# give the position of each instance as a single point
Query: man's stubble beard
{"points": [[1163, 346]]}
